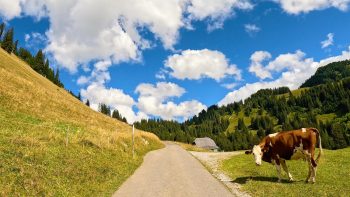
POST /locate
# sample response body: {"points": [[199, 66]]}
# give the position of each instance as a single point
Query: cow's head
{"points": [[257, 153]]}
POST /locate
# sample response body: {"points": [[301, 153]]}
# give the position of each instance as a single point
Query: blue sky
{"points": [[171, 59]]}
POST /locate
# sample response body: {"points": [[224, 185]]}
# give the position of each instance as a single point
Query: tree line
{"points": [[105, 109], [37, 62]]}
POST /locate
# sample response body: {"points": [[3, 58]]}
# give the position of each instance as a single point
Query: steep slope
{"points": [[331, 72], [51, 144]]}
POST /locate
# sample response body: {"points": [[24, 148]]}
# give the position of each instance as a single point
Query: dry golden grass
{"points": [[23, 90], [52, 144]]}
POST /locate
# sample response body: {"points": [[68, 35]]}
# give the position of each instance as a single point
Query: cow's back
{"points": [[285, 144]]}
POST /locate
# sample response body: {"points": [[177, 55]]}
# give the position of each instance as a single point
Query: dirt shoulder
{"points": [[212, 161]]}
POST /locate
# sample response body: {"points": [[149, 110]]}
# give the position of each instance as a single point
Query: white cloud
{"points": [[298, 69], [106, 28], [10, 8], [83, 31], [154, 100], [197, 64], [289, 61], [328, 42], [256, 66], [83, 80], [229, 85], [99, 74], [160, 76], [216, 11], [305, 6], [26, 37], [35, 40], [115, 98], [251, 29], [161, 91], [97, 93]]}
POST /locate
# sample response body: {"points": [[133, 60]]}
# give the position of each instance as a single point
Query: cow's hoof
{"points": [[291, 180]]}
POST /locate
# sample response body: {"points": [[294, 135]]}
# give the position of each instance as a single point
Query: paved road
{"points": [[171, 171]]}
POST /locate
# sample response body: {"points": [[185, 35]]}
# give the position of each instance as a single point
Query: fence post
{"points": [[133, 143]]}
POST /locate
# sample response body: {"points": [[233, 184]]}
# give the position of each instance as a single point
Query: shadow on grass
{"points": [[244, 180]]}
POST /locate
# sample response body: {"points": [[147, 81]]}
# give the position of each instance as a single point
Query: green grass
{"points": [[295, 93], [233, 119], [36, 159], [332, 176], [326, 117]]}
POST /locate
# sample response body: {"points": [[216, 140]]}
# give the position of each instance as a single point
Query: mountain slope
{"points": [[331, 72], [240, 125], [51, 144]]}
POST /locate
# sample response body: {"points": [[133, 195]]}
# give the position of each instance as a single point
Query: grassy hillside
{"points": [[332, 176], [51, 144]]}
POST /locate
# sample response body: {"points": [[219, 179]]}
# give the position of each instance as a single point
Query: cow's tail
{"points": [[319, 144]]}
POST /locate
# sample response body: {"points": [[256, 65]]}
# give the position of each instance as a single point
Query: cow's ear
{"points": [[248, 152]]}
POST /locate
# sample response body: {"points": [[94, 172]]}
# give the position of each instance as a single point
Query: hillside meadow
{"points": [[51, 144], [332, 176]]}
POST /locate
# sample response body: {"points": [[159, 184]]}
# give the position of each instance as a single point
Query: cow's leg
{"points": [[278, 168], [312, 170], [313, 164], [285, 168], [312, 154], [313, 176]]}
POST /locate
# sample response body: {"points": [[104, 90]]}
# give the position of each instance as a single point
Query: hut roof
{"points": [[205, 142]]}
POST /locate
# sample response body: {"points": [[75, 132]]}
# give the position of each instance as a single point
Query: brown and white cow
{"points": [[289, 145]]}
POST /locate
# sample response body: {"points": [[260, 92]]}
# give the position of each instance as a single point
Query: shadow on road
{"points": [[244, 180]]}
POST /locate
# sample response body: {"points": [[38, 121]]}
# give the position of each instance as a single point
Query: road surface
{"points": [[171, 171]]}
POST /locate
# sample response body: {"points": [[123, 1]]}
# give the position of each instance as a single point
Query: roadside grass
{"points": [[332, 176], [190, 147], [51, 144]]}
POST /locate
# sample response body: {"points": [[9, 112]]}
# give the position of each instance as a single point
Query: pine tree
{"points": [[25, 55], [7, 43], [2, 27], [103, 108], [57, 78], [39, 63], [15, 47], [87, 103], [79, 96]]}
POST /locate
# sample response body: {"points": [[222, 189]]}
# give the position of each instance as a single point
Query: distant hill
{"points": [[331, 72], [239, 125], [51, 144]]}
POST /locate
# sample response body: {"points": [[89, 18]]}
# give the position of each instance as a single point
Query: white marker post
{"points": [[133, 134]]}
